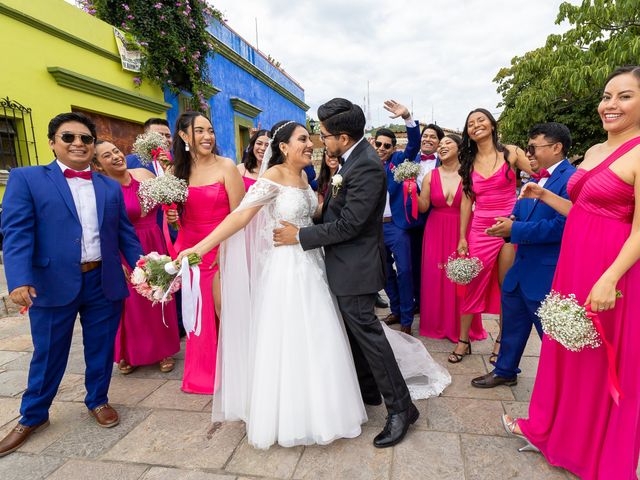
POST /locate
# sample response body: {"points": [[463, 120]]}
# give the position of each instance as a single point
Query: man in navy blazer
{"points": [[65, 229], [397, 219], [537, 230]]}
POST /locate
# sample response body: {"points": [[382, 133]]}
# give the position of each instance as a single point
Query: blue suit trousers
{"points": [[399, 285]]}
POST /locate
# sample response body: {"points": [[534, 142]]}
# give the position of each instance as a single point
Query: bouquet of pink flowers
{"points": [[155, 276], [167, 190], [148, 146]]}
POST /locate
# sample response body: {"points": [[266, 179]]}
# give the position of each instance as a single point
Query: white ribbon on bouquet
{"points": [[191, 295]]}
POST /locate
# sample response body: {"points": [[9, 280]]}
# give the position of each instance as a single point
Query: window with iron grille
{"points": [[17, 138]]}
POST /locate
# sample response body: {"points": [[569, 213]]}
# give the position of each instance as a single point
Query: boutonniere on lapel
{"points": [[406, 173], [336, 184]]}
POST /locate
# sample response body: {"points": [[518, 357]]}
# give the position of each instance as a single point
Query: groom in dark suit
{"points": [[350, 231]]}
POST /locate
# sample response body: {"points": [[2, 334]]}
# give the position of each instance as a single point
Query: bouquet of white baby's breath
{"points": [[567, 322], [407, 170], [462, 270], [149, 145], [167, 190]]}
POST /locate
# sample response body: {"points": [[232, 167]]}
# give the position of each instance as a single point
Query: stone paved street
{"points": [[167, 435]]}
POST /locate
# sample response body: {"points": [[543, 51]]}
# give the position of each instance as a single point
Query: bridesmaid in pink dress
{"points": [[573, 418], [215, 188], [142, 337], [252, 158], [442, 192], [489, 180]]}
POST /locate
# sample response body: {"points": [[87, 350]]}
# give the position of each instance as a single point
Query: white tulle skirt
{"points": [[284, 362]]}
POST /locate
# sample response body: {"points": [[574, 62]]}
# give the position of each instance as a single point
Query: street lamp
{"points": [[312, 125]]}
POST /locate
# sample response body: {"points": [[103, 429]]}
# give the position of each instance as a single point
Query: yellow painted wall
{"points": [[27, 52]]}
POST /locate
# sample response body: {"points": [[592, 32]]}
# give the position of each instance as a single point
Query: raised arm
{"points": [[518, 159]]}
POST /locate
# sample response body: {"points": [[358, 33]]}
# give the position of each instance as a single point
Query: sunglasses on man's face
{"points": [[70, 137], [386, 146]]}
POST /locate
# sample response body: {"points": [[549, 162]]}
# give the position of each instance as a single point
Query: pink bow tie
{"points": [[543, 173], [68, 173], [431, 156]]}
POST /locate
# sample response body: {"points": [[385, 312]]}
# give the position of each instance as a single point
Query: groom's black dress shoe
{"points": [[491, 380], [380, 303], [396, 427]]}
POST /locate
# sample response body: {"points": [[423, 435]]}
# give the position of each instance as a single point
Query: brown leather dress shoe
{"points": [[491, 380], [105, 416], [406, 329], [18, 436], [392, 319]]}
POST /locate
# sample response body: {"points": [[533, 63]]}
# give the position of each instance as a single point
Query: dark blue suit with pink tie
{"points": [[537, 231], [42, 248]]}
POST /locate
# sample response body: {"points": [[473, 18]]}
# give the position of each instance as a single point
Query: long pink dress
{"points": [[205, 208], [439, 304], [494, 197], [142, 337], [572, 417]]}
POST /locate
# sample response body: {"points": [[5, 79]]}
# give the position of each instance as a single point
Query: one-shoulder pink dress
{"points": [[205, 208], [494, 197], [142, 337], [573, 419], [439, 303]]}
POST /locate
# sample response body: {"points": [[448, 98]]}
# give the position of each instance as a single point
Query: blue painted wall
{"points": [[233, 81]]}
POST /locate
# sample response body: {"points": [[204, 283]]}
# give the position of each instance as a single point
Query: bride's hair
{"points": [[281, 133]]}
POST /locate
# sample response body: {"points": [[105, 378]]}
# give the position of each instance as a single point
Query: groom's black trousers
{"points": [[376, 366]]}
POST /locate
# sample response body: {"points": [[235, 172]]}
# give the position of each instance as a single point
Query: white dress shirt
{"points": [[84, 197], [550, 170], [425, 167]]}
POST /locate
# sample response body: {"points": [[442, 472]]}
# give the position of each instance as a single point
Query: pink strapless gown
{"points": [[439, 304], [142, 338], [494, 197], [572, 417], [248, 182], [205, 208]]}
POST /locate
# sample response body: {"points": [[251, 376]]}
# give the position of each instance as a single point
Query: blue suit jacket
{"points": [[396, 195], [133, 161], [538, 230], [42, 235]]}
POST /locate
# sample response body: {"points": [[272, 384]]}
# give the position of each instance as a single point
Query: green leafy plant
{"points": [[172, 36]]}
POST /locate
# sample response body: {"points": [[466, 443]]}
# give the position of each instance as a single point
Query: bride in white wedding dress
{"points": [[284, 361]]}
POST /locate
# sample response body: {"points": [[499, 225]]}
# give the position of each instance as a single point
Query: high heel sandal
{"points": [[510, 428], [457, 357], [493, 358]]}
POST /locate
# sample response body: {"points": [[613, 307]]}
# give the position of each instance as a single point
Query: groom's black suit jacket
{"points": [[351, 226]]}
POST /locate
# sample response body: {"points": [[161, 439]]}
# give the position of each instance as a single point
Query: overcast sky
{"points": [[440, 55]]}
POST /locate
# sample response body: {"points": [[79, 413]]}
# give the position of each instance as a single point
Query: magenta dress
{"points": [[205, 208], [248, 182], [142, 337], [572, 417], [494, 197], [439, 304]]}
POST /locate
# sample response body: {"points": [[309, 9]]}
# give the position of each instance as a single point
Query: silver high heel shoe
{"points": [[510, 428]]}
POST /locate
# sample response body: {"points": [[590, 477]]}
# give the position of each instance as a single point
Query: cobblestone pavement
{"points": [[167, 434]]}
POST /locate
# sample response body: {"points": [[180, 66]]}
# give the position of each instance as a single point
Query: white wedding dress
{"points": [[284, 363]]}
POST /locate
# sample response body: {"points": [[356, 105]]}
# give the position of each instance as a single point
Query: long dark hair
{"points": [[249, 159], [281, 133], [324, 177], [182, 158], [469, 150]]}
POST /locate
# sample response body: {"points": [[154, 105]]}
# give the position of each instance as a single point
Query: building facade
{"points": [[248, 92]]}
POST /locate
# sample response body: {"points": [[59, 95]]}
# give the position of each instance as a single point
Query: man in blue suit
{"points": [[65, 229], [537, 230], [397, 219]]}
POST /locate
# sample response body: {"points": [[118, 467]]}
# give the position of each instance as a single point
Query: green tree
{"points": [[172, 36], [562, 81]]}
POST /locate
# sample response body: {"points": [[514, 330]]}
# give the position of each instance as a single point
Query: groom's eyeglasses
{"points": [[531, 149], [70, 137], [386, 146]]}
